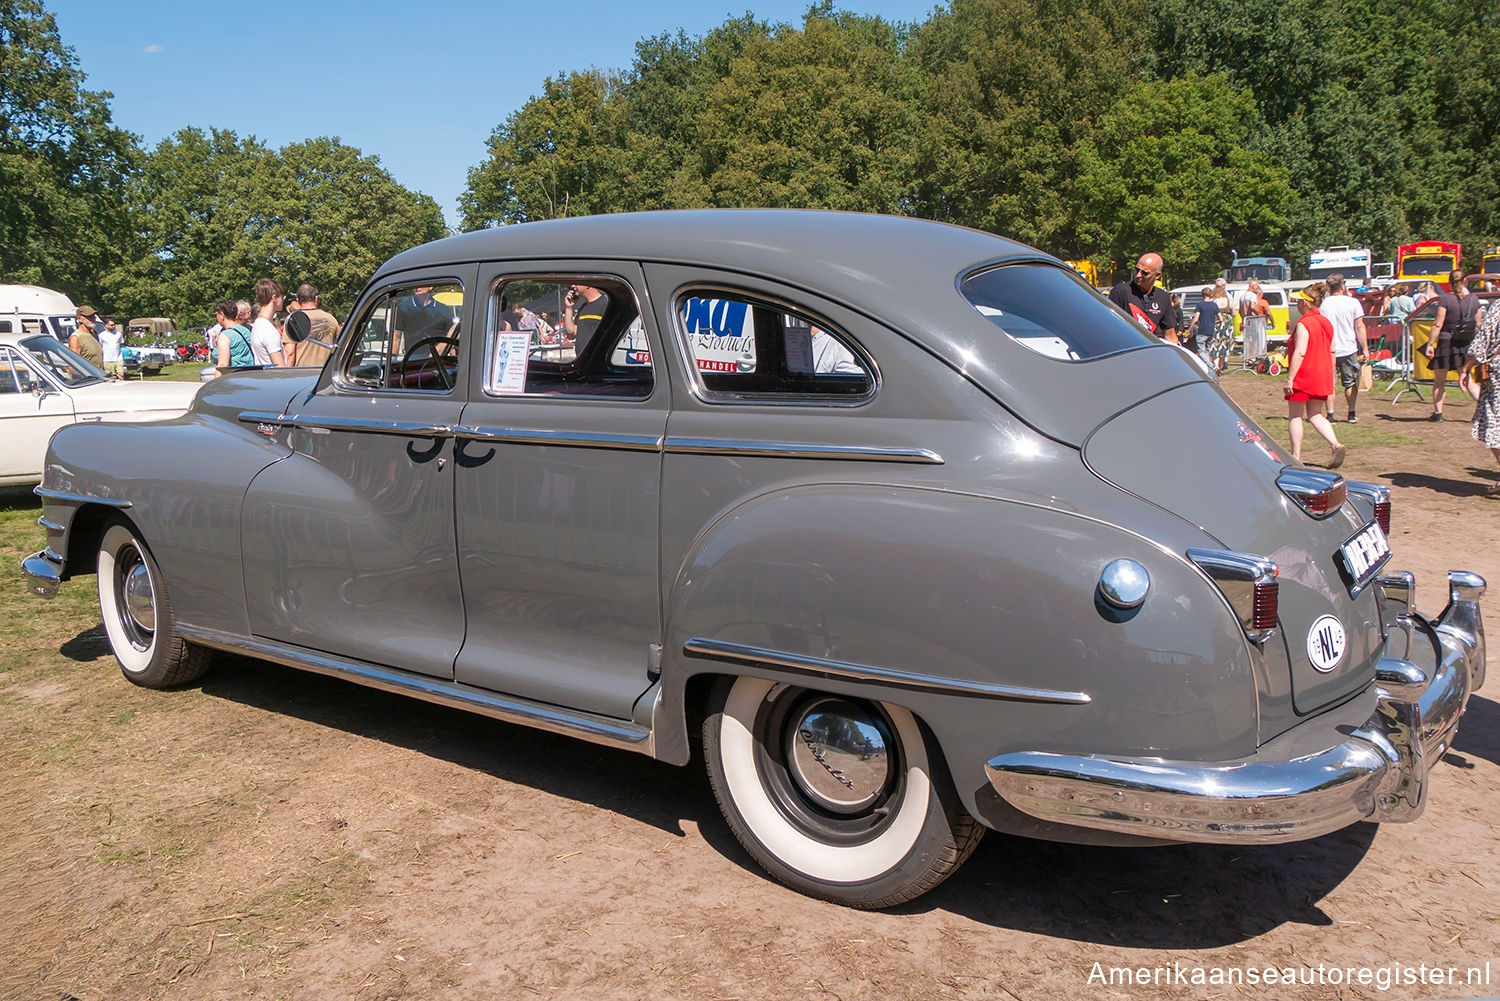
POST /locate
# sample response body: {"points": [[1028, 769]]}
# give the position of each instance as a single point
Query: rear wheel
{"points": [[137, 614], [837, 797]]}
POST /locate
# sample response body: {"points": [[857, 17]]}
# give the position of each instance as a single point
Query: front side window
{"points": [[743, 347], [1048, 310], [16, 375], [409, 339], [567, 335]]}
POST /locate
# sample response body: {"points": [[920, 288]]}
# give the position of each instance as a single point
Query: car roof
{"points": [[877, 263]]}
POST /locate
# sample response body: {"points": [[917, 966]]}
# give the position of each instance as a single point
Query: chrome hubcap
{"points": [[839, 754], [140, 601]]}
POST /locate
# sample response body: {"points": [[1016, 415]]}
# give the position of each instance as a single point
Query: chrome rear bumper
{"points": [[1378, 772]]}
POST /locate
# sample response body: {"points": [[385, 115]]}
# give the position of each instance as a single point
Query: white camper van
{"points": [[31, 309]]}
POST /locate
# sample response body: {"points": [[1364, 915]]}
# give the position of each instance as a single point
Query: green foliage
{"points": [[63, 214], [1016, 89], [216, 214], [1171, 167]]}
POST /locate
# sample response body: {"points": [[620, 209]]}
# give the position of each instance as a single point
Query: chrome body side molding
{"points": [[610, 732], [801, 450], [742, 654], [406, 429], [71, 498], [575, 439]]}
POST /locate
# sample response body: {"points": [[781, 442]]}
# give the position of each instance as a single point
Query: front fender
{"points": [[978, 614], [181, 483]]}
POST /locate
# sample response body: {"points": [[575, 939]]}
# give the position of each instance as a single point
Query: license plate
{"points": [[1362, 556]]}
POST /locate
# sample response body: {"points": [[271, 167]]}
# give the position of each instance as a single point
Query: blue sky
{"points": [[420, 85]]}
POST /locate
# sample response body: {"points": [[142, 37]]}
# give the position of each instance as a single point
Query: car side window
{"points": [[567, 335], [408, 338], [15, 374], [743, 347]]}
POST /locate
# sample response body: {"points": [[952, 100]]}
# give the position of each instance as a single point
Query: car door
{"points": [[558, 475], [31, 408], [349, 543]]}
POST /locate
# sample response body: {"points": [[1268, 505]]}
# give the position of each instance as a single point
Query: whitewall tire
{"points": [[840, 798]]}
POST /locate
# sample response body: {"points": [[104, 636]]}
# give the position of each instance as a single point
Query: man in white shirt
{"points": [[1350, 345], [111, 338], [265, 339]]}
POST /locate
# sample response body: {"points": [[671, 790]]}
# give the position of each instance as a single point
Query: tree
{"points": [[348, 216], [552, 158], [1170, 169], [210, 211], [1014, 91], [824, 116], [216, 213], [63, 163]]}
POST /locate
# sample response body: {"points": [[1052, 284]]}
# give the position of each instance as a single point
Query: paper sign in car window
{"points": [[722, 334], [512, 353]]}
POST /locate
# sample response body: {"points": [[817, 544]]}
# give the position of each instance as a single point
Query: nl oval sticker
{"points": [[1325, 643]]}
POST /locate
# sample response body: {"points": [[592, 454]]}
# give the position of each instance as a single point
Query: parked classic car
{"points": [[44, 386], [872, 513]]}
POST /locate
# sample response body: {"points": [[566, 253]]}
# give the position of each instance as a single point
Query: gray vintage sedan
{"points": [[900, 526]]}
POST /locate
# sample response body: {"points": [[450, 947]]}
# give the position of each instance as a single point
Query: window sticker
{"points": [[512, 354]]}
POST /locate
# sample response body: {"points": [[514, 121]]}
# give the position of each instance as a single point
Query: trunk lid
{"points": [[1191, 451]]}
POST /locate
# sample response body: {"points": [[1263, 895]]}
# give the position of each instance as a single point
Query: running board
{"points": [[604, 730]]}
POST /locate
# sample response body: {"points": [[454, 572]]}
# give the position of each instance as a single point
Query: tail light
{"points": [[1248, 583], [1379, 499], [1316, 492]]}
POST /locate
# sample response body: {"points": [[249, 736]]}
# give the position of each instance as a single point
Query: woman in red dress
{"points": [[1309, 378]]}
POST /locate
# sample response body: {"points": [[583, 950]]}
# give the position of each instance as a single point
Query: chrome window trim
{"points": [[571, 277], [62, 495], [741, 653], [720, 397], [576, 439], [799, 450]]}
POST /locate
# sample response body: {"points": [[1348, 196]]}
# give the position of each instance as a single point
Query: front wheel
{"points": [[836, 797], [138, 614]]}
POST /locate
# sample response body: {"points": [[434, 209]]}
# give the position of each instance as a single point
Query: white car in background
{"points": [[44, 386]]}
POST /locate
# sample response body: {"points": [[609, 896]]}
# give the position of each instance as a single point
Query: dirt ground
{"points": [[270, 834]]}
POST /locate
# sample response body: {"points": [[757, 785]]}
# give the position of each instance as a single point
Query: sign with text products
{"points": [[722, 334]]}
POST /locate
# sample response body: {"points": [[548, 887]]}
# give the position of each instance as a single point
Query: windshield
{"points": [[1264, 272], [1427, 265], [1051, 311], [64, 326], [65, 366]]}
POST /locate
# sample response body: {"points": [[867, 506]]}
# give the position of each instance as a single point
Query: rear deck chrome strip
{"points": [[597, 729], [743, 654]]}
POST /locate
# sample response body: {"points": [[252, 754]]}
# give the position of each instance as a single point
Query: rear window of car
{"points": [[1051, 311]]}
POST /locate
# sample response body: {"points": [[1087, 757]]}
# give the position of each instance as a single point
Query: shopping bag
{"points": [[1366, 377]]}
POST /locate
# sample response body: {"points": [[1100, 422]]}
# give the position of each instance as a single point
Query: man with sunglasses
{"points": [[1145, 302]]}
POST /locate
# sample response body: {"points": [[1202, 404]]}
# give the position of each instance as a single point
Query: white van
{"points": [[31, 309]]}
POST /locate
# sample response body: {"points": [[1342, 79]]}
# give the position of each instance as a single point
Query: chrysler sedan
{"points": [[872, 516]]}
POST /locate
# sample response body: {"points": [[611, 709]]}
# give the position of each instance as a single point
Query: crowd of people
{"points": [[305, 336], [1329, 347]]}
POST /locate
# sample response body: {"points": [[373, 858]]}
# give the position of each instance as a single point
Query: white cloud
{"points": [[154, 49]]}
